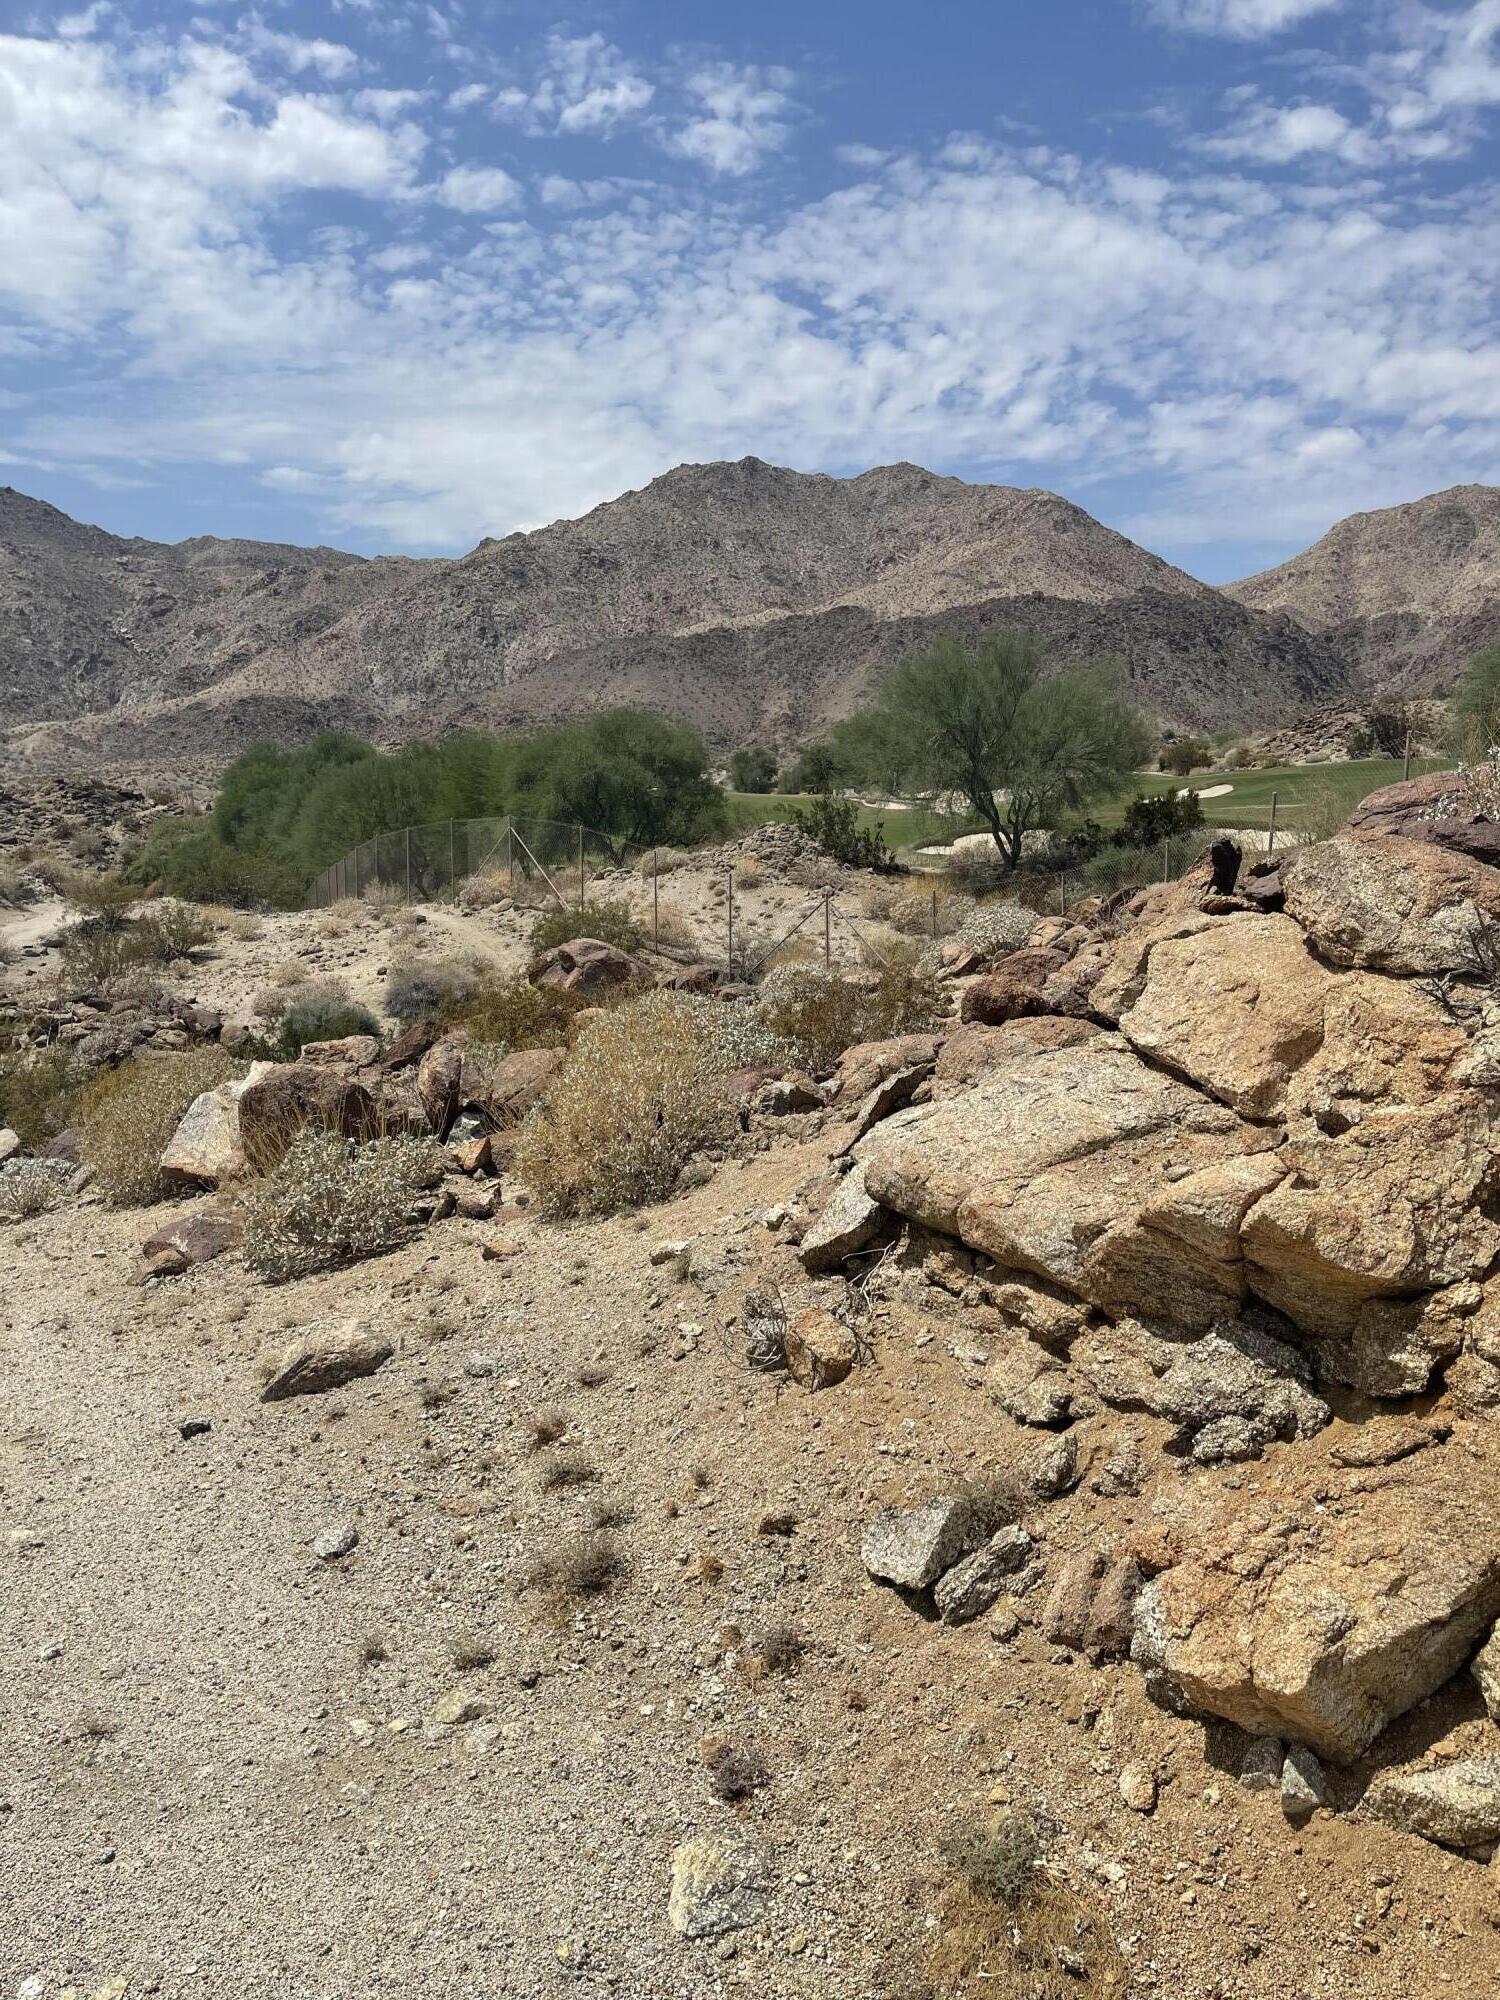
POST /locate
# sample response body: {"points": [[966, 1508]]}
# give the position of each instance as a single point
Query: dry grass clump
{"points": [[640, 1092], [545, 1428], [663, 861], [613, 923], [927, 910], [580, 1567], [314, 1010], [780, 1648], [821, 1014], [31, 1187], [329, 1201], [566, 1471], [421, 989], [737, 1774], [470, 1651], [1005, 1925], [128, 1114]]}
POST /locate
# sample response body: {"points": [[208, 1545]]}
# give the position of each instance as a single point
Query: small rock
{"points": [[458, 1707], [10, 1144], [718, 1885], [669, 1252], [1260, 1767], [319, 1362], [1052, 1468], [1303, 1785], [1457, 1804], [480, 1367], [1138, 1787], [967, 1591], [194, 1427], [820, 1349], [1005, 1623], [912, 1546], [339, 1540]]}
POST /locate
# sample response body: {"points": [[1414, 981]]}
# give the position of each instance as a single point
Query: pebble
{"points": [[1138, 1788], [481, 1366], [339, 1540], [194, 1427]]}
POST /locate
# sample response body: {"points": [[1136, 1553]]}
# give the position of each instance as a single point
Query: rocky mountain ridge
{"points": [[752, 600]]}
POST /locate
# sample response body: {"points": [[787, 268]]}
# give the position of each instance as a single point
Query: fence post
{"points": [[510, 849], [655, 901], [582, 893], [408, 864], [1406, 764], [1271, 829], [730, 879], [1166, 859], [1062, 894], [452, 867], [827, 929], [934, 916], [356, 872]]}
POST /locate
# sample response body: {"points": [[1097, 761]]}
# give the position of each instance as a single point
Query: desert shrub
{"points": [[996, 929], [1186, 755], [93, 954], [566, 1471], [584, 1566], [780, 1649], [997, 1862], [128, 1114], [834, 824], [821, 1014], [663, 861], [919, 910], [312, 1010], [613, 923], [1236, 757], [331, 1201], [37, 1089], [1157, 816], [748, 872], [420, 989], [513, 1014], [31, 1187], [640, 1092], [170, 931], [736, 1774]]}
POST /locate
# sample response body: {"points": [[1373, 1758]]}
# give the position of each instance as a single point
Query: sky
{"points": [[398, 274]]}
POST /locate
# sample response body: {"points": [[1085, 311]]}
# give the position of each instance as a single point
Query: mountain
{"points": [[751, 600], [1404, 595]]}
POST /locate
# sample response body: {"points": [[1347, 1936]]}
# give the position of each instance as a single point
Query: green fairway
{"points": [[1310, 798]]}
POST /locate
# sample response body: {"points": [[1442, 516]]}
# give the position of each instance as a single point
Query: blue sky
{"points": [[396, 275]]}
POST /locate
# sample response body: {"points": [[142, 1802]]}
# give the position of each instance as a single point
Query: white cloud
{"points": [[585, 86], [300, 53], [1281, 134], [741, 116], [478, 190], [466, 96], [1242, 20]]}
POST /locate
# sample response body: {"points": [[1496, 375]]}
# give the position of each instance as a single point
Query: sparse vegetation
{"points": [[329, 1201], [737, 1773], [314, 1010], [640, 1092], [613, 923], [997, 1862], [780, 1648], [833, 823], [507, 1014], [128, 1114], [580, 1567], [31, 1187], [37, 1092], [422, 989], [566, 1471], [821, 1013], [546, 1428]]}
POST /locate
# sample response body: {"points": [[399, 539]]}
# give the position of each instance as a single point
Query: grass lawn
{"points": [[1315, 796]]}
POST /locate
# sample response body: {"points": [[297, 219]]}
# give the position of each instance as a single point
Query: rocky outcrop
{"points": [[1324, 1624], [586, 965], [1392, 904], [207, 1148], [289, 1097], [1456, 1804]]}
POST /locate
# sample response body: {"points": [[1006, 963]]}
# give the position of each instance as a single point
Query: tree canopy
{"points": [[1474, 711], [1021, 746]]}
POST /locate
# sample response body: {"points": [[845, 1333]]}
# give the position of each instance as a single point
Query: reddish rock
{"points": [[1013, 990], [587, 965], [288, 1097]]}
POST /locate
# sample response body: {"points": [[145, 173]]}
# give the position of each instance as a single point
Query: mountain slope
{"points": [[1404, 595], [749, 599]]}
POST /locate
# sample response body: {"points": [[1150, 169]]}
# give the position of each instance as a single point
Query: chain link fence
{"points": [[420, 864]]}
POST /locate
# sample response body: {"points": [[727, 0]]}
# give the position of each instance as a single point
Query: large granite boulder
{"points": [[1391, 904], [207, 1148], [1325, 1621], [287, 1098], [586, 965]]}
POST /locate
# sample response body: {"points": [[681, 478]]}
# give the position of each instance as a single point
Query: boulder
{"points": [[1392, 904], [972, 1052], [10, 1144], [1456, 1804], [322, 1361], [195, 1239], [970, 1587], [348, 1053], [1427, 809], [1321, 1623], [719, 1884], [286, 1098], [439, 1075], [820, 1349], [207, 1148], [1237, 1007], [1013, 990], [868, 1064], [1385, 1041], [1396, 1206], [851, 1220], [586, 965], [1485, 1667], [503, 1092], [1047, 1156], [912, 1546]]}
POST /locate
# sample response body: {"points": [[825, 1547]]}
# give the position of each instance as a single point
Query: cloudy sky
{"points": [[395, 275]]}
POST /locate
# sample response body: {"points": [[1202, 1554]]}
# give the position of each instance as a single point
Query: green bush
{"points": [[128, 1114], [421, 989], [318, 1013], [329, 1201], [612, 923], [1157, 816], [513, 1014], [998, 1862], [820, 1014], [37, 1092], [834, 824], [752, 770]]}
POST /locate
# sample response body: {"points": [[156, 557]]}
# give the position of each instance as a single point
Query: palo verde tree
{"points": [[1022, 746], [1474, 711], [635, 777]]}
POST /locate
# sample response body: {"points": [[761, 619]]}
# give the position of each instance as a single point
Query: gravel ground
{"points": [[219, 1769]]}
